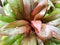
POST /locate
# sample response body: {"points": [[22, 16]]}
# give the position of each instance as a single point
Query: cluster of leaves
{"points": [[17, 11]]}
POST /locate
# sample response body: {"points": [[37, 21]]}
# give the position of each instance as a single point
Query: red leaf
{"points": [[40, 15], [39, 7]]}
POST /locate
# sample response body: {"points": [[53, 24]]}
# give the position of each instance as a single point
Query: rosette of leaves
{"points": [[30, 22]]}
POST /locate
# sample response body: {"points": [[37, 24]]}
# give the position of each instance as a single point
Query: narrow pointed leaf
{"points": [[40, 15], [56, 40], [31, 40], [39, 7], [17, 7], [6, 18], [14, 28], [40, 42], [52, 16], [55, 22]]}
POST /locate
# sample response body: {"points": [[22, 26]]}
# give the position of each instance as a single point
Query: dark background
{"points": [[0, 3]]}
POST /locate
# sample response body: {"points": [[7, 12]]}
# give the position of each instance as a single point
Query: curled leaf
{"points": [[35, 3], [39, 7], [45, 31], [40, 15]]}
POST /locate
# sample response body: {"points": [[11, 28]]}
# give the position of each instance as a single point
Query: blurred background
{"points": [[0, 3], [1, 9]]}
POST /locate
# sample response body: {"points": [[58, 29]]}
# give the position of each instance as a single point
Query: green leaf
{"points": [[4, 2], [50, 43], [6, 18], [29, 40], [17, 7], [52, 16], [56, 41], [14, 28], [4, 38], [58, 44], [12, 39], [18, 42], [57, 4], [58, 26], [17, 24]]}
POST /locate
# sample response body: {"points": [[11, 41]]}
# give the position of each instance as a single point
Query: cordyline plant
{"points": [[30, 22]]}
